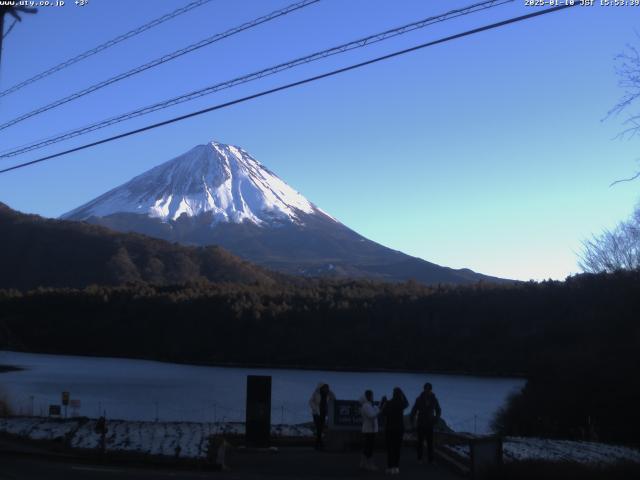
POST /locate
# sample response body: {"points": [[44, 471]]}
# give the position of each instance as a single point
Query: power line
{"points": [[295, 84], [104, 46], [161, 60], [362, 42]]}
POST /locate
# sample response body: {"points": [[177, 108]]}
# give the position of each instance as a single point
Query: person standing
{"points": [[369, 414], [427, 410], [319, 403], [393, 411]]}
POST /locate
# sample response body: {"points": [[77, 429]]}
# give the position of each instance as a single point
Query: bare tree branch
{"points": [[630, 179], [628, 72], [617, 249]]}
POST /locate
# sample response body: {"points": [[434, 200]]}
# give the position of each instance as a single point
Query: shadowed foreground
{"points": [[288, 463]]}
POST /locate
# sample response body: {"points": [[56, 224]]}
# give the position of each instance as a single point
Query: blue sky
{"points": [[488, 152]]}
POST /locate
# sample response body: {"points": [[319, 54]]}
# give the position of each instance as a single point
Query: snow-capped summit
{"points": [[217, 178]]}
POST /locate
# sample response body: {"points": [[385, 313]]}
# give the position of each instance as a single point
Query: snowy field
{"points": [[189, 440], [519, 448], [172, 439], [145, 390]]}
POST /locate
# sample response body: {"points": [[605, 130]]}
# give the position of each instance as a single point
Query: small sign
{"points": [[346, 413], [54, 410], [65, 398], [75, 407]]}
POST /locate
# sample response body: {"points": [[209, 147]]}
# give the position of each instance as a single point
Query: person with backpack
{"points": [[428, 412]]}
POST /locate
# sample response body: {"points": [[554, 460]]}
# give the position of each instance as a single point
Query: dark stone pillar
{"points": [[258, 414]]}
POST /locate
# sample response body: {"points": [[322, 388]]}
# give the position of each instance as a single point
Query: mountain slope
{"points": [[38, 252], [218, 194]]}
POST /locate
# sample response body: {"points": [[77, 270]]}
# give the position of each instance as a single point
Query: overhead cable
{"points": [[159, 61], [103, 46], [362, 42], [263, 93]]}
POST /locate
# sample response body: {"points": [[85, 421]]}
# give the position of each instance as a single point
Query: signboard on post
{"points": [[345, 425], [55, 410], [75, 407], [65, 402], [345, 415]]}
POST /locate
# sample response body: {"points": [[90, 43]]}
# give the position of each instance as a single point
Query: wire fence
{"points": [[152, 410], [211, 412]]}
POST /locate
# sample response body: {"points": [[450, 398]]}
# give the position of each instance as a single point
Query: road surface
{"points": [[287, 463]]}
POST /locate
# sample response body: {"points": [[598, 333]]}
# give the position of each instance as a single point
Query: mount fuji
{"points": [[219, 194]]}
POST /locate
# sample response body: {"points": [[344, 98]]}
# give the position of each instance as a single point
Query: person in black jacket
{"points": [[427, 409], [393, 413]]}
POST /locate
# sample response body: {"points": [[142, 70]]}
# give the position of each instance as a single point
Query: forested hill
{"points": [[528, 328], [39, 252]]}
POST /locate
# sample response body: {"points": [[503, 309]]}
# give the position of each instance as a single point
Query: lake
{"points": [[147, 390]]}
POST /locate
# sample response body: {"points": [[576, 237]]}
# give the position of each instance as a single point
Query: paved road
{"points": [[288, 463]]}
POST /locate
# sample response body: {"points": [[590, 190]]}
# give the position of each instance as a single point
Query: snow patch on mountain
{"points": [[217, 178]]}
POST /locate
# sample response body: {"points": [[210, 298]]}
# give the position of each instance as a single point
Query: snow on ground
{"points": [[86, 437], [190, 439], [583, 452], [38, 428], [172, 439], [519, 448]]}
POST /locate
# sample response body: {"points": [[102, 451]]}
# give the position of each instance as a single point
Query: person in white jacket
{"points": [[370, 415], [319, 404]]}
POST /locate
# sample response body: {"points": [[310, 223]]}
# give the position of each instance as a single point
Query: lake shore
{"points": [[315, 367], [147, 390]]}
